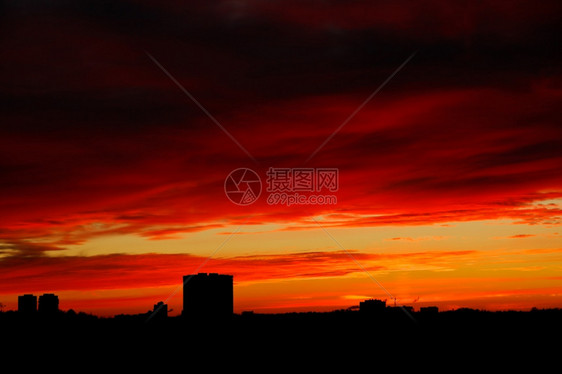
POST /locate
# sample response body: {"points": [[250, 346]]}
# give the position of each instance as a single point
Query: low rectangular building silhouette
{"points": [[372, 306], [27, 303], [48, 303], [429, 309]]}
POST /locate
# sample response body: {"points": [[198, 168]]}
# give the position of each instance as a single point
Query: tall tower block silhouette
{"points": [[208, 296]]}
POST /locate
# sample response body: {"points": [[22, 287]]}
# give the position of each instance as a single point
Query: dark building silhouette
{"points": [[48, 303], [27, 303], [401, 309], [160, 310], [372, 306], [208, 296], [429, 309]]}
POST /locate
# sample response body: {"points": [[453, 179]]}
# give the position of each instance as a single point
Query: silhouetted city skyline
{"points": [[210, 296]]}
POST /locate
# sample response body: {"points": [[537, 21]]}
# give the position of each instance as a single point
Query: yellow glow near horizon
{"points": [[271, 239]]}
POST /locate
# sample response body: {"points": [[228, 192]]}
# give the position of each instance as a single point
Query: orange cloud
{"points": [[518, 236], [420, 239]]}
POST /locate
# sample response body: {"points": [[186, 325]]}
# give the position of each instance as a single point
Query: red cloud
{"points": [[400, 165], [32, 274]]}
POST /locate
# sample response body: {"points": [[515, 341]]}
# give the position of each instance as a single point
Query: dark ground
{"points": [[344, 339]]}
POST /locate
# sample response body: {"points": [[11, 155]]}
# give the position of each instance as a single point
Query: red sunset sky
{"points": [[450, 177]]}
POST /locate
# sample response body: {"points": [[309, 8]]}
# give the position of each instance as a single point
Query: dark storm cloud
{"points": [[236, 54]]}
